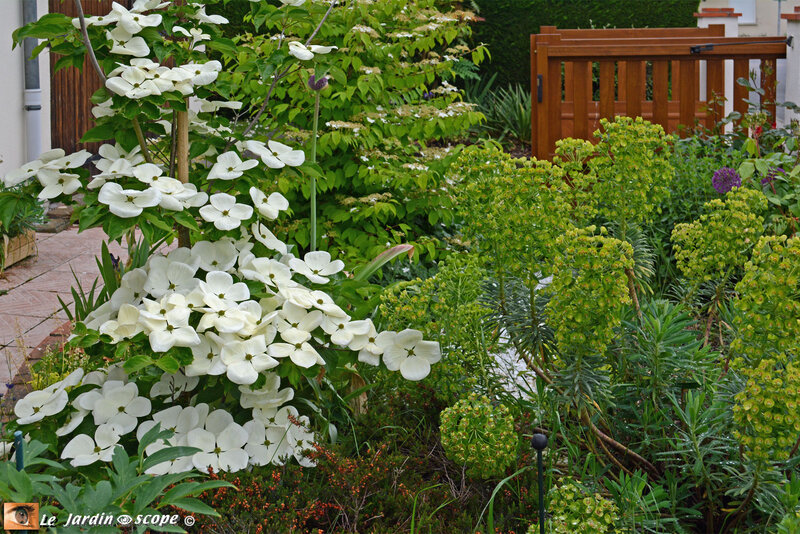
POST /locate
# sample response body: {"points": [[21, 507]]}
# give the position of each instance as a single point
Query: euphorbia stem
{"points": [[182, 160], [313, 177]]}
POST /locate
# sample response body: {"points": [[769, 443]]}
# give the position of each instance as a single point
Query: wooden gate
{"points": [[70, 88], [581, 76]]}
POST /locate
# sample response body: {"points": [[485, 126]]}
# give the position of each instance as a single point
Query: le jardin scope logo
{"points": [[20, 516]]}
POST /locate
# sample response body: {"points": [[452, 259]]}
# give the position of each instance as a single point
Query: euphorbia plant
{"points": [[214, 338]]}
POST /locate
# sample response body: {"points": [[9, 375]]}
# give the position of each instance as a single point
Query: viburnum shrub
{"points": [[589, 290], [388, 114], [479, 434], [572, 509], [716, 243], [214, 338]]}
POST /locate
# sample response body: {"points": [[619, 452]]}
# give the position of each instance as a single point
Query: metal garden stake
{"points": [[539, 442]]}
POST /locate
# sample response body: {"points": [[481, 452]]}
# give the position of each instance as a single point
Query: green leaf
{"points": [[369, 269], [137, 363], [167, 455], [195, 506], [168, 363], [193, 488]]}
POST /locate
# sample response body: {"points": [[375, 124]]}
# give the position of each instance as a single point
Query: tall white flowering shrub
{"points": [[213, 339]]}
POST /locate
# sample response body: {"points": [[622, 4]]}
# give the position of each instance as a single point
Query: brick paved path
{"points": [[29, 291]]}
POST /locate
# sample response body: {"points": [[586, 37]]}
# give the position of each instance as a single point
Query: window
{"points": [[747, 8]]}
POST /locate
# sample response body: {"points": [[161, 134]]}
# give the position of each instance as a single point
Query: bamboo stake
{"points": [[182, 160]]}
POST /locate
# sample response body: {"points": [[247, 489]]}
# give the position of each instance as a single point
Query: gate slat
{"points": [[741, 69], [633, 88], [607, 89], [715, 91], [581, 74], [687, 93], [661, 93]]}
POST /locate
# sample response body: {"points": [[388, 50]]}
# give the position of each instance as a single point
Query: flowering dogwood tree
{"points": [[212, 339]]}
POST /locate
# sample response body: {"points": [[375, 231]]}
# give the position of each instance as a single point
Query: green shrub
{"points": [[573, 509], [509, 24], [480, 435]]}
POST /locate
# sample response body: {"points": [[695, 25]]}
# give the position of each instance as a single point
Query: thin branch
{"points": [[282, 75], [619, 446], [142, 141], [89, 49]]}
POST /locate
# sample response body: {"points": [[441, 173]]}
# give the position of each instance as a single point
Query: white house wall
{"points": [[12, 85]]}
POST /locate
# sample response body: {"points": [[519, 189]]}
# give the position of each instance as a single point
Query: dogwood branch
{"points": [[93, 60]]}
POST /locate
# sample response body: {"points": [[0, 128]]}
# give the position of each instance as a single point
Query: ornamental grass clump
{"points": [[480, 435]]}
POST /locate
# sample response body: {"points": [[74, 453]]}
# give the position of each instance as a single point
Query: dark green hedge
{"points": [[509, 24]]}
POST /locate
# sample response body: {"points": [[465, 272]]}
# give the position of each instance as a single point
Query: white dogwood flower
{"points": [[220, 284], [268, 271], [224, 212], [267, 444], [245, 359], [275, 155], [37, 405], [269, 207], [85, 450], [215, 255], [133, 22], [316, 266], [167, 322], [127, 202], [206, 355], [116, 403], [125, 326], [202, 73], [407, 352], [125, 44], [268, 396], [230, 166], [267, 238], [297, 348], [166, 276], [305, 53], [172, 385], [221, 444], [56, 183], [131, 288]]}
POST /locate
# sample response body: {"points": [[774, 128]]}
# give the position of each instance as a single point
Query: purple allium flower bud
{"points": [[316, 85], [771, 175], [726, 179]]}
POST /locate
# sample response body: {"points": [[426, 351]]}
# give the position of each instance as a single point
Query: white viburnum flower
{"points": [[224, 212], [127, 202], [116, 403], [85, 450], [221, 444], [275, 155], [270, 207], [407, 352], [230, 166], [316, 266]]}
